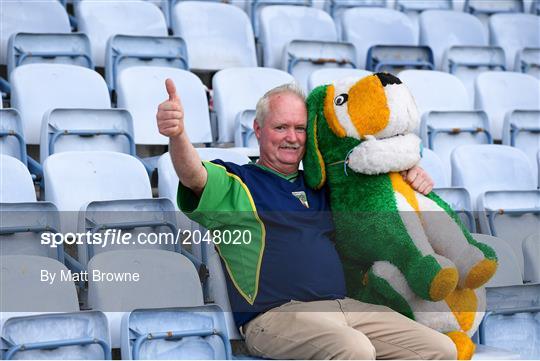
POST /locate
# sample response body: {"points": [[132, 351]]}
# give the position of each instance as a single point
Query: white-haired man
{"points": [[286, 285]]}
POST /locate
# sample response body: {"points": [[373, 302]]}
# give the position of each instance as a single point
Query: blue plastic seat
{"points": [[239, 89], [498, 93], [16, 183], [28, 48], [12, 141], [327, 76], [217, 36], [336, 8], [255, 7], [531, 258], [100, 20]]}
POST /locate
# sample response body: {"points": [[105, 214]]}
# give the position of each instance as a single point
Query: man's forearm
{"points": [[187, 163]]}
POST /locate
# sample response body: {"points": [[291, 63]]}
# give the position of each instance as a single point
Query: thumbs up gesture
{"points": [[170, 114]]}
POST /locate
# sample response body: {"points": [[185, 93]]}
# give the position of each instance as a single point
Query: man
{"points": [[286, 287]]}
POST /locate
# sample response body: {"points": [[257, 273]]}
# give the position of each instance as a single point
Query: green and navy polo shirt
{"points": [[290, 254]]}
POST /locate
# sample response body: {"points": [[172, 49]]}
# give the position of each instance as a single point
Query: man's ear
{"points": [[256, 128]]}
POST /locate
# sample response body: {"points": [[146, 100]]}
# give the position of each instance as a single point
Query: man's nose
{"points": [[291, 135]]}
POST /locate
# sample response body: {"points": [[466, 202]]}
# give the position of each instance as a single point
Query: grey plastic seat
{"points": [[485, 9], [281, 24], [239, 89], [36, 88], [65, 130], [327, 76], [514, 32], [367, 27], [16, 183], [521, 130], [498, 93], [217, 36], [336, 8], [142, 102], [17, 16], [434, 90], [433, 164], [12, 141], [531, 257], [69, 48], [102, 19], [61, 331], [527, 61], [442, 132], [414, 8], [255, 7]]}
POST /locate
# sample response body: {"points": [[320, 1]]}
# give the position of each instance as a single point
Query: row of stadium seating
{"points": [[210, 36], [102, 190]]}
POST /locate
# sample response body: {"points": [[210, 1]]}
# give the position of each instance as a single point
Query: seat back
{"points": [[521, 129], [142, 102], [37, 88], [513, 32], [16, 183], [327, 76], [336, 8], [124, 51], [75, 178], [217, 36], [255, 7], [442, 132], [435, 167], [531, 255], [24, 226], [65, 130], [28, 48], [366, 27], [497, 93], [492, 7], [102, 19], [442, 29], [460, 201], [31, 17], [12, 135], [481, 168], [238, 89], [435, 90], [282, 24]]}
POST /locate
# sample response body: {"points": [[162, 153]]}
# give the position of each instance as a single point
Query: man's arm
{"points": [[418, 179], [186, 160]]}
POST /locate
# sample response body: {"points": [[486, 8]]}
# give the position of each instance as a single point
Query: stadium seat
{"points": [[435, 90], [460, 45], [102, 176], [457, 198], [442, 132], [23, 225], [327, 76], [413, 8], [16, 183], [531, 257], [239, 89], [102, 19], [511, 320], [281, 24], [527, 62], [306, 56], [17, 16], [86, 130], [217, 35], [498, 93], [368, 27], [142, 102], [492, 7], [37, 88], [255, 7], [60, 332], [514, 32], [28, 48], [124, 51], [336, 8], [521, 129], [12, 141]]}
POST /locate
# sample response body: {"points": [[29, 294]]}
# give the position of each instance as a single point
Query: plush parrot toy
{"points": [[398, 247]]}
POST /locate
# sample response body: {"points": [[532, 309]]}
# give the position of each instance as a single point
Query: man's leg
{"points": [[395, 336], [306, 330]]}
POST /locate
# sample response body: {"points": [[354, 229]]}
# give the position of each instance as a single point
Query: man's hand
{"points": [[170, 115], [418, 179]]}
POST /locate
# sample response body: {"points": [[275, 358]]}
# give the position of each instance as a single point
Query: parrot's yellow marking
{"points": [[319, 155], [368, 107], [464, 345], [463, 304], [330, 114], [402, 187], [481, 273], [444, 282]]}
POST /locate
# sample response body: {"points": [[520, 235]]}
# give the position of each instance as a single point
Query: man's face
{"points": [[282, 138]]}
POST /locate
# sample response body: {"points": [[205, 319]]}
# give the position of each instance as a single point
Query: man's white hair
{"points": [[263, 105]]}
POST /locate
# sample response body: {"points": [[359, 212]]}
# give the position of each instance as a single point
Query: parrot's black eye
{"points": [[341, 99]]}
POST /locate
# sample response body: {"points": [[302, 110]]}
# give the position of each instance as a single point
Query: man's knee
{"points": [[442, 348], [354, 345]]}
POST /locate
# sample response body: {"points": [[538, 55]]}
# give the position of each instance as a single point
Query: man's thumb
{"points": [[171, 90]]}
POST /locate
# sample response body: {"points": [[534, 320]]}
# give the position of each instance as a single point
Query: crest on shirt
{"points": [[301, 196]]}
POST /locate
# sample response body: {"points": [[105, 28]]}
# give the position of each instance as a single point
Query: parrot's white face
{"points": [[378, 105]]}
